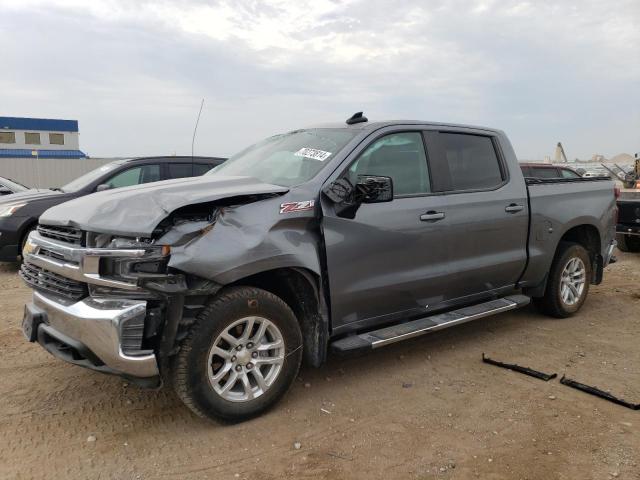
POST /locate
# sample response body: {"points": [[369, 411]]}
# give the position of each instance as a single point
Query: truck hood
{"points": [[136, 211]]}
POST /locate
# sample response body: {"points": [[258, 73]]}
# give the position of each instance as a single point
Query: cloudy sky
{"points": [[134, 72]]}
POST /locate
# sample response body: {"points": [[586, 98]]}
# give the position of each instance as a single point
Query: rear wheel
{"points": [[628, 243], [240, 357], [568, 283]]}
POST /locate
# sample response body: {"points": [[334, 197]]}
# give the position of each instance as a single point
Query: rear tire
{"points": [[628, 243], [568, 283], [240, 357]]}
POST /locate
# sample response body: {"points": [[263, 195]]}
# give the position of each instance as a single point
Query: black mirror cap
{"points": [[357, 117], [374, 188], [340, 191]]}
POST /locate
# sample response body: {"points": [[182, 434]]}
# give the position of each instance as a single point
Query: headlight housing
{"points": [[8, 210]]}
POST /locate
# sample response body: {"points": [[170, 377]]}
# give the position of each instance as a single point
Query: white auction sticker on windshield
{"points": [[313, 153]]}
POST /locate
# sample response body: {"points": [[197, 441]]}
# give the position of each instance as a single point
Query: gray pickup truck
{"points": [[344, 238]]}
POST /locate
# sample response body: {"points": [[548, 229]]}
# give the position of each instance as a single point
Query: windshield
{"points": [[80, 182], [12, 185], [288, 159]]}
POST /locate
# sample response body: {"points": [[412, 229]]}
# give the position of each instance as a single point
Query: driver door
{"points": [[390, 261]]}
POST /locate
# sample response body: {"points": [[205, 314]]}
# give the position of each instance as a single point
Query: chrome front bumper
{"points": [[99, 326]]}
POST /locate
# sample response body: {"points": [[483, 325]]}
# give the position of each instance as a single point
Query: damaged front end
{"points": [[112, 303], [117, 287]]}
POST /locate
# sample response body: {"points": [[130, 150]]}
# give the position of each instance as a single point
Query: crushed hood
{"points": [[137, 210]]}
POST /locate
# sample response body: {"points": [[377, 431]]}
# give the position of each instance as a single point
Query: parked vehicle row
{"points": [[19, 212], [343, 238]]}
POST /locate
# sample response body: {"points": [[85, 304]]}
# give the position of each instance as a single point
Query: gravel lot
{"points": [[427, 408]]}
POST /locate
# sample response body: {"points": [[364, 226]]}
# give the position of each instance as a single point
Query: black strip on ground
{"points": [[598, 393], [517, 368]]}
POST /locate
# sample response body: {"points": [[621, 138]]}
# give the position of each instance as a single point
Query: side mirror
{"points": [[374, 189], [348, 197], [102, 187], [5, 191]]}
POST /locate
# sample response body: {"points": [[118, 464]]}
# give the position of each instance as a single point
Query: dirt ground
{"points": [[427, 408]]}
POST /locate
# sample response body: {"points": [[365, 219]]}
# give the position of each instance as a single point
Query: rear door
{"points": [[486, 212]]}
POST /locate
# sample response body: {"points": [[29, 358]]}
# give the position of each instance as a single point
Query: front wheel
{"points": [[568, 283], [240, 357]]}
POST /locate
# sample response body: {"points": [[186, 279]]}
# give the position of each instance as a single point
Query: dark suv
{"points": [[19, 212]]}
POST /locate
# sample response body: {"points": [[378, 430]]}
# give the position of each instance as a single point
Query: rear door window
{"points": [[472, 161], [180, 170], [201, 169]]}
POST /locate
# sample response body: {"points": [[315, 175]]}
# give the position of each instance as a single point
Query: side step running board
{"points": [[414, 328]]}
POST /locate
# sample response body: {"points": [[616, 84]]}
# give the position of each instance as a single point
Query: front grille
{"points": [[62, 234], [45, 252], [41, 279]]}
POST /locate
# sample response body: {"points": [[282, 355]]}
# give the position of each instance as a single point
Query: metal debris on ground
{"points": [[598, 393], [517, 368]]}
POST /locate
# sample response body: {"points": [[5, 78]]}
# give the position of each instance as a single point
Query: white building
{"points": [[39, 137]]}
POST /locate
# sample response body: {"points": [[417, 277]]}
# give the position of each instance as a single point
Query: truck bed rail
{"points": [[544, 181]]}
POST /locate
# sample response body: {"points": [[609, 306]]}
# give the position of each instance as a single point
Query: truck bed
{"points": [[558, 205]]}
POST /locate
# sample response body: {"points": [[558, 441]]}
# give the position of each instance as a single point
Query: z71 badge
{"points": [[292, 207]]}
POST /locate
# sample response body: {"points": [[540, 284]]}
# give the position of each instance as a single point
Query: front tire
{"points": [[240, 357], [568, 283]]}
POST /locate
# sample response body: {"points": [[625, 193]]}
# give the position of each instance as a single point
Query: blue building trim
{"points": [[47, 124], [26, 153]]}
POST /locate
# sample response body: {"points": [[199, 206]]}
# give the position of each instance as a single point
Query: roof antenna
{"points": [[195, 129], [357, 118]]}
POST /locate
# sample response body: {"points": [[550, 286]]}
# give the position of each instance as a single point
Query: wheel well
{"points": [[589, 237], [299, 289], [585, 235]]}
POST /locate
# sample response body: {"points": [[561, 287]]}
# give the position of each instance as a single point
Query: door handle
{"points": [[513, 208], [431, 216]]}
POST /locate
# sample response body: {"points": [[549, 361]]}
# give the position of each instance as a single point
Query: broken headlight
{"points": [[153, 262]]}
